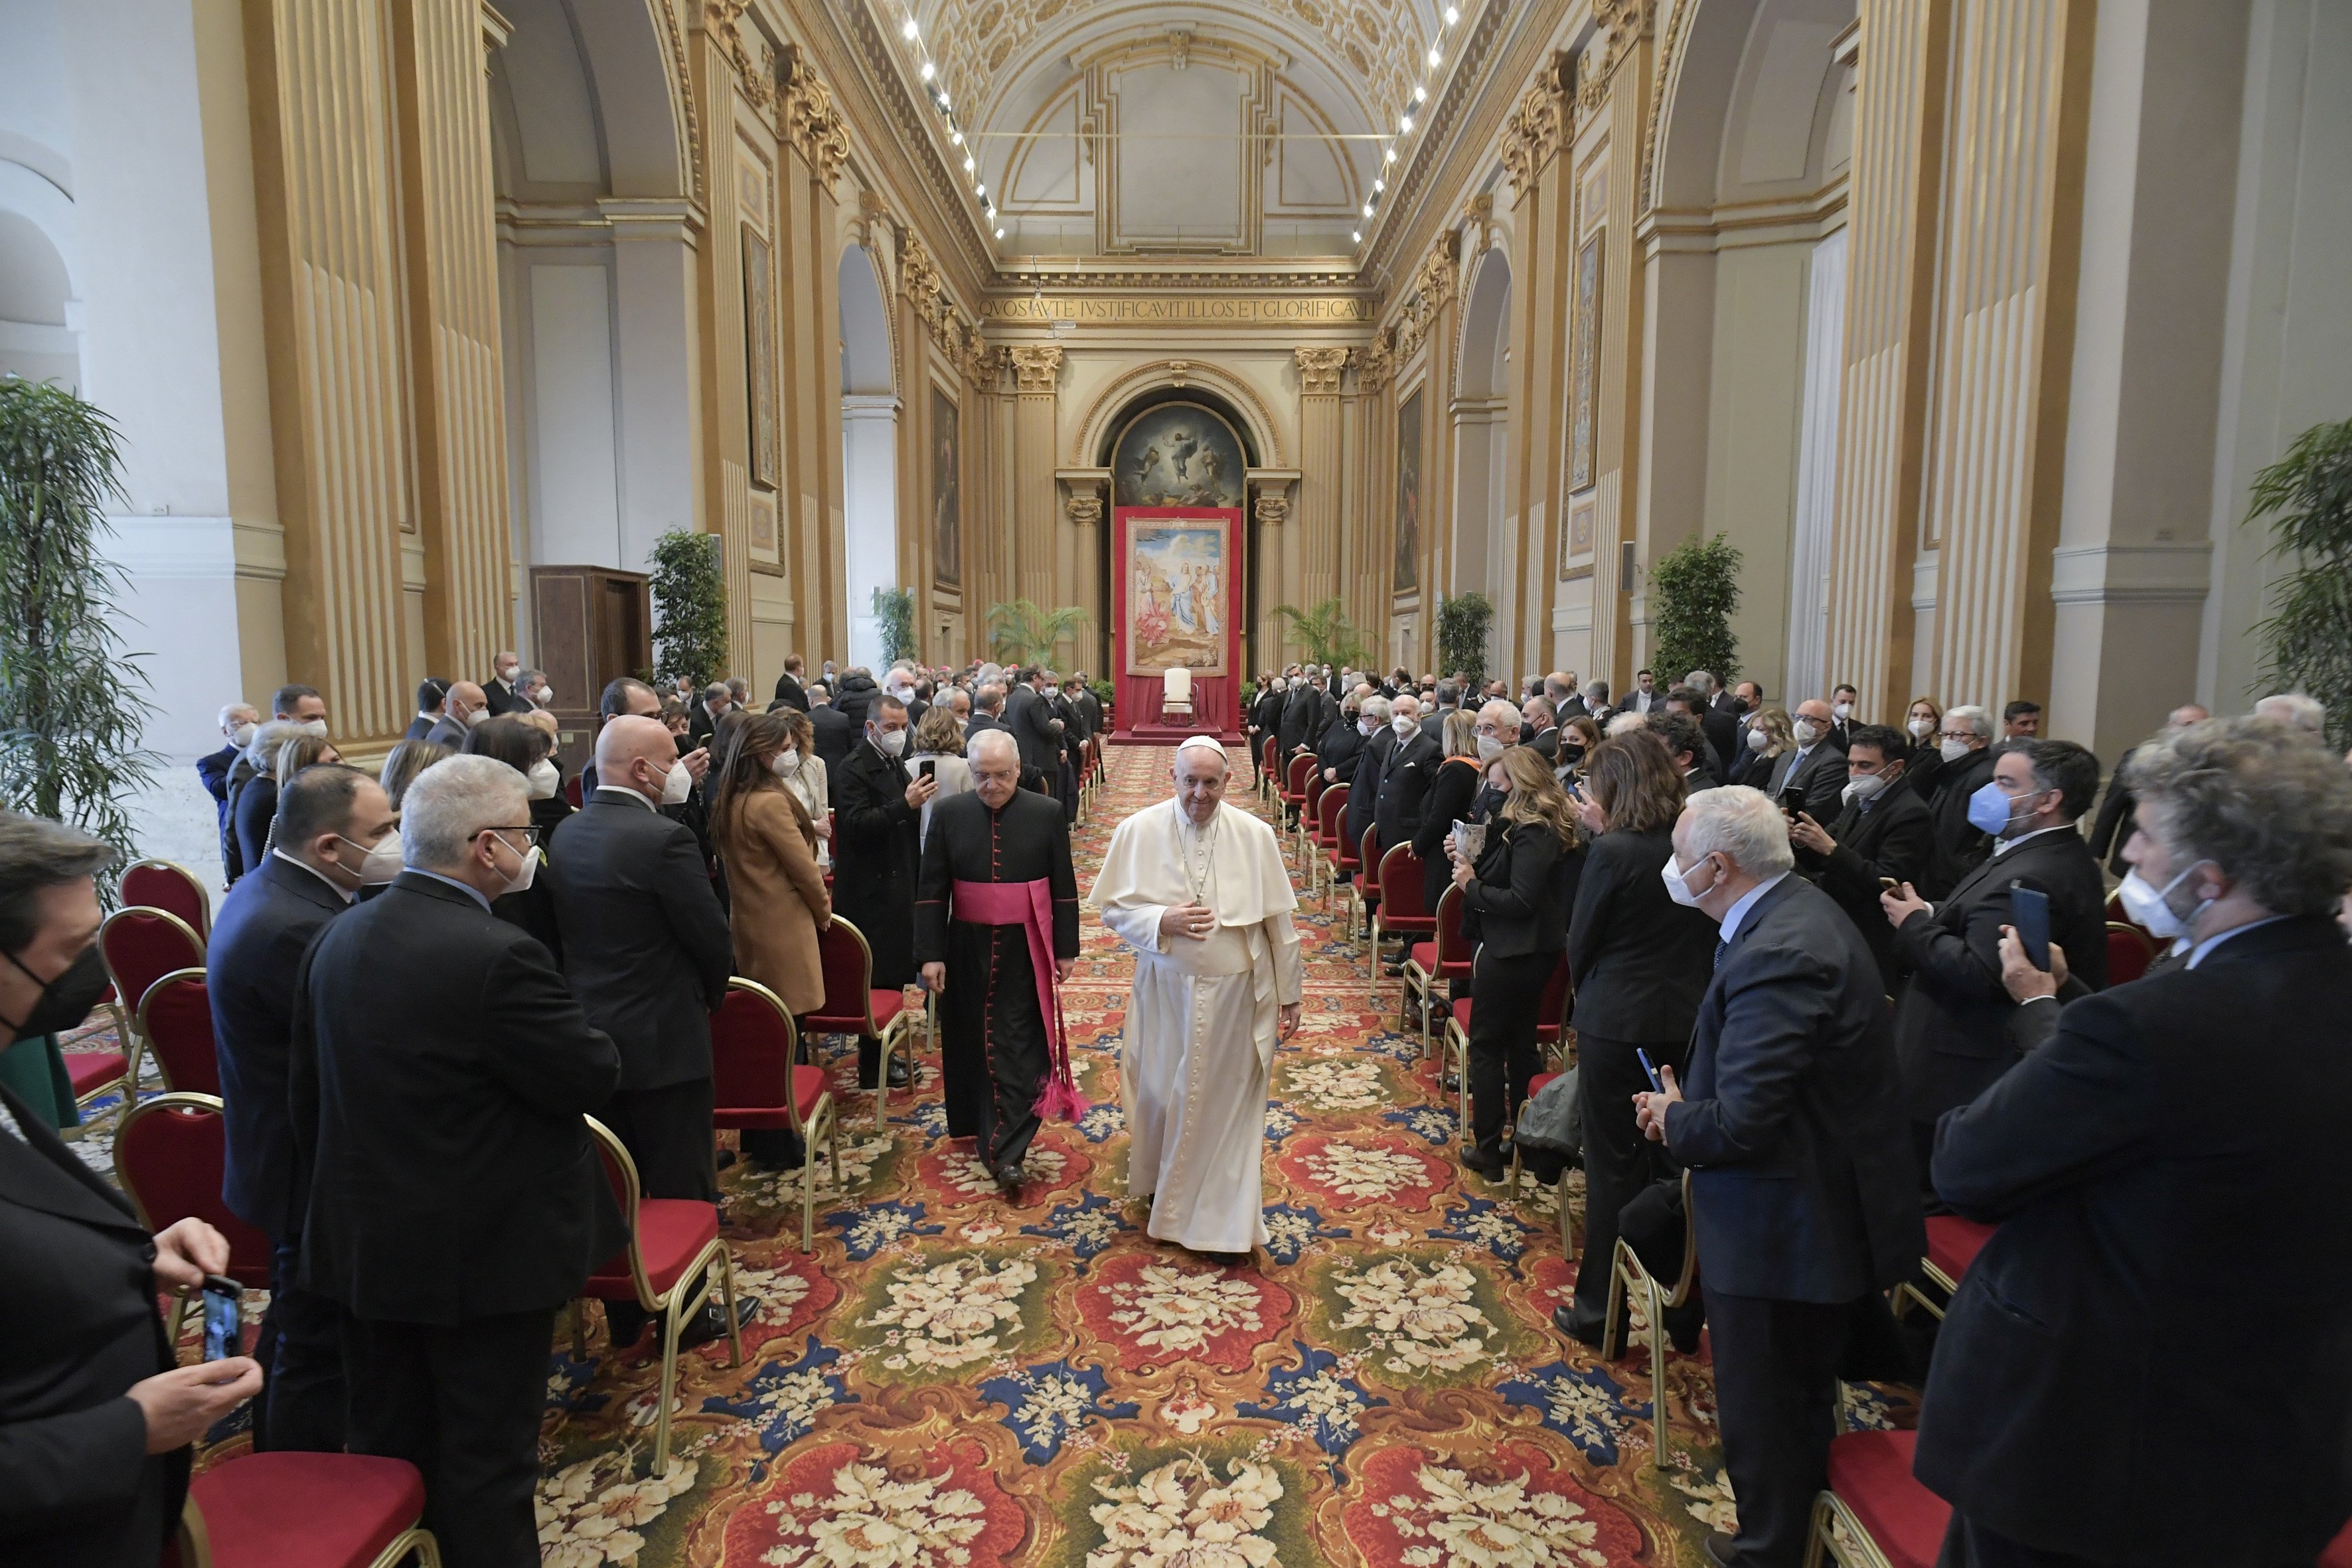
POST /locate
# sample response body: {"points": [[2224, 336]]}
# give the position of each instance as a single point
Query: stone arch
{"points": [[1253, 421]]}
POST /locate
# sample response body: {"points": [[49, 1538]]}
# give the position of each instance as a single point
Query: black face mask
{"points": [[65, 1001], [1572, 754]]}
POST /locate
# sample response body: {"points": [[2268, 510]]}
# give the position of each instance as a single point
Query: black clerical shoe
{"points": [[1490, 1161], [901, 1074], [1586, 1330], [710, 1323], [1009, 1176], [1720, 1549]]}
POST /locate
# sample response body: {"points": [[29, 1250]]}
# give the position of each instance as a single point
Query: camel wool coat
{"points": [[778, 899]]}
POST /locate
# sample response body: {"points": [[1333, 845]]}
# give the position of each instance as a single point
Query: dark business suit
{"points": [[1336, 752], [1405, 779], [1721, 727], [503, 698], [266, 924], [1804, 1199], [255, 812], [420, 727], [440, 1070], [1364, 788], [876, 849], [213, 768], [2117, 820], [1960, 847], [78, 1487], [1890, 835], [1516, 908], [701, 725], [647, 951], [1036, 732], [448, 731], [855, 697], [1749, 766], [1302, 721], [1820, 772], [1455, 784], [980, 721], [791, 693], [1951, 1019], [2175, 1151], [837, 734], [1639, 962]]}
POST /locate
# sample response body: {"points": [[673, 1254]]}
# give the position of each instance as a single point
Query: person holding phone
{"points": [[1952, 1015], [96, 1416], [939, 756], [1882, 832]]}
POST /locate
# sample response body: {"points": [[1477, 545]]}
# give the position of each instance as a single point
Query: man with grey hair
{"points": [[987, 710], [439, 1074], [1964, 745], [1364, 783], [2295, 710], [996, 930], [1803, 1203], [2171, 1136], [237, 723], [1197, 890]]}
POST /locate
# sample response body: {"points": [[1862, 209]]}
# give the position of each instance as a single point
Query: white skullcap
{"points": [[1202, 742]]}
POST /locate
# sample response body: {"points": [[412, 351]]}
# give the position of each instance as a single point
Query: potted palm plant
{"points": [[1022, 630], [2307, 640]]}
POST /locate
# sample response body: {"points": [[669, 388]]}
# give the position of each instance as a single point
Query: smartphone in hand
{"points": [[223, 1318], [2029, 911], [1654, 1083], [928, 768]]}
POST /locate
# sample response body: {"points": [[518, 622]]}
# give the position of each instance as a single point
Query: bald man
{"points": [[463, 707], [2118, 815], [647, 951]]}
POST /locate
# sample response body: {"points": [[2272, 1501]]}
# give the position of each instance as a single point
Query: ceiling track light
{"points": [[927, 72], [1420, 93], [1387, 155], [1356, 235], [1452, 15], [1404, 125], [1435, 56], [999, 233]]}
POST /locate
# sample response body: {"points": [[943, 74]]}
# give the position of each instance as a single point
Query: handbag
{"points": [[1549, 1119]]}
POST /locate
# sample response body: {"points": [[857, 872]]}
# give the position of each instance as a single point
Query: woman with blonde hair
{"points": [[403, 763], [937, 741], [256, 803], [1451, 790], [1924, 727], [1514, 903], [1763, 737], [1639, 963]]}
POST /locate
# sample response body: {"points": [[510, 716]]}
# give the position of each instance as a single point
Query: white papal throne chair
{"points": [[1176, 696]]}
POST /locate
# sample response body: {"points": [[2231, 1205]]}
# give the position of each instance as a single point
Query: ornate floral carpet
{"points": [[951, 1379]]}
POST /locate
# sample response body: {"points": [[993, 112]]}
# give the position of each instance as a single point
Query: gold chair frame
{"points": [[1906, 1292], [1625, 1270], [131, 1009], [162, 981], [1419, 981], [196, 1543], [903, 1025], [1856, 1550], [669, 1309], [203, 894], [182, 1100], [1330, 863], [825, 1113]]}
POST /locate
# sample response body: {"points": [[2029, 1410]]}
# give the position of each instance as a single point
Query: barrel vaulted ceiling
{"points": [[1199, 129]]}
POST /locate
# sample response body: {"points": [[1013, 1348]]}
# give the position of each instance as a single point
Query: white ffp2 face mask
{"points": [[543, 779], [892, 743], [1678, 886], [677, 785], [1404, 724], [1922, 728], [1489, 748]]}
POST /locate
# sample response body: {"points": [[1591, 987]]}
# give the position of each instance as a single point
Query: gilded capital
{"points": [[1535, 129], [1035, 366], [981, 361], [811, 122], [1272, 510], [1374, 365], [1086, 508], [1319, 371]]}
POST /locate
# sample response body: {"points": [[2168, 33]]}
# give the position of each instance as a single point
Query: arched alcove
{"points": [[871, 411], [35, 288], [1483, 553]]}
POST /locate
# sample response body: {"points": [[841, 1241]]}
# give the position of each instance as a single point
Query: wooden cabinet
{"points": [[591, 625]]}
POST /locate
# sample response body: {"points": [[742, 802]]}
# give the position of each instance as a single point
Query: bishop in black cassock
{"points": [[995, 1048]]}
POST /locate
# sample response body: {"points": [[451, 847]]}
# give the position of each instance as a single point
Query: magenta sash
{"points": [[1030, 906]]}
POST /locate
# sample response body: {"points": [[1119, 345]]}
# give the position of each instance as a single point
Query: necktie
{"points": [[1720, 947]]}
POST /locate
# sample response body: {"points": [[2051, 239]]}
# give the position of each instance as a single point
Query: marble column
{"points": [[816, 144], [1036, 371], [1321, 454], [1542, 250]]}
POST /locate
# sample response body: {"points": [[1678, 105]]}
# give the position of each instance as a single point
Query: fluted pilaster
{"points": [[1320, 454]]}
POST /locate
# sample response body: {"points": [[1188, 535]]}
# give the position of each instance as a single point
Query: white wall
{"points": [[1806, 675], [869, 495], [575, 516]]}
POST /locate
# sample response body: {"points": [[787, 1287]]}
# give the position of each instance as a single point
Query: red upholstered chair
{"points": [[1403, 911], [1331, 835], [852, 1005], [572, 790], [1309, 818], [95, 1074], [1953, 1244], [166, 885], [2339, 1551], [1269, 768], [1552, 1020], [305, 1510], [1875, 1514], [170, 1153], [1446, 956], [1626, 1273], [175, 1019], [1367, 884], [141, 946], [758, 1080], [673, 1245], [2129, 953], [1294, 786]]}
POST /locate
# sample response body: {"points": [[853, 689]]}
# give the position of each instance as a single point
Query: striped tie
{"points": [[1719, 948]]}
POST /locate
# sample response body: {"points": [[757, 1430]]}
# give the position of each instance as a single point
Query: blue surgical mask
{"points": [[1991, 811]]}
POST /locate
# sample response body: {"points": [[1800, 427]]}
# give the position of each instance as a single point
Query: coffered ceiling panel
{"points": [[1197, 128]]}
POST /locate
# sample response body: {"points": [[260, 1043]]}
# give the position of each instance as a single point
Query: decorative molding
{"points": [[1085, 507], [1036, 367], [811, 122], [1539, 126], [1459, 95], [1272, 511], [1116, 393], [983, 363], [1669, 72], [2170, 573], [1374, 365], [1319, 371], [1627, 23], [682, 100], [1431, 289]]}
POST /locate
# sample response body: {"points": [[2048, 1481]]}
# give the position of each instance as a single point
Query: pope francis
{"points": [[1198, 891]]}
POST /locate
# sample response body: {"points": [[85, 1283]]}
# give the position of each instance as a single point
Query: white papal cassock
{"points": [[1202, 1022]]}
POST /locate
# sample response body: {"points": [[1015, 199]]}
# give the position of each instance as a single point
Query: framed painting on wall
{"points": [[1178, 455], [947, 519], [1585, 366], [1406, 577], [759, 358]]}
